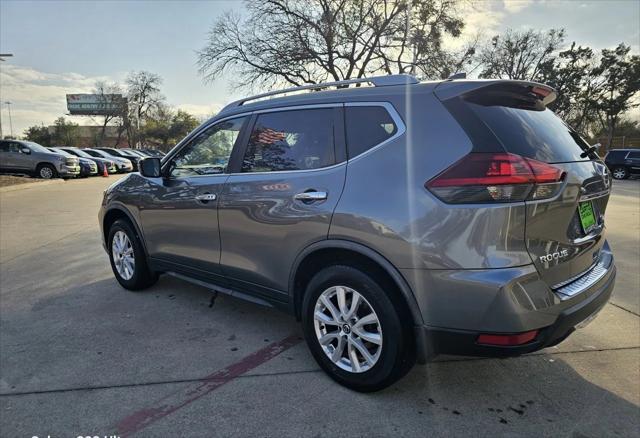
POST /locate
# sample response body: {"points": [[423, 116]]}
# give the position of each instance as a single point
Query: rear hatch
{"points": [[564, 229]]}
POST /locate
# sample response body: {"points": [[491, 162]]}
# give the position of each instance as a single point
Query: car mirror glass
{"points": [[25, 151]]}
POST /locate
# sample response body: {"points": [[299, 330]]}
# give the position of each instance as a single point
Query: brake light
{"points": [[496, 177]]}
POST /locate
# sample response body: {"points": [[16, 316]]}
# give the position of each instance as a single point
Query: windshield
{"points": [[96, 153], [79, 153], [35, 147], [61, 152]]}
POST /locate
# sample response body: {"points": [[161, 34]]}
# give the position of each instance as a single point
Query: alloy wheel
{"points": [[46, 172], [619, 173], [348, 329], [122, 252]]}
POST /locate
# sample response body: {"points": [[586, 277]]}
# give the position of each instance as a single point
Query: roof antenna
{"points": [[460, 75]]}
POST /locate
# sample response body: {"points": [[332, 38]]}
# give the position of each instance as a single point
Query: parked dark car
{"points": [[623, 162], [396, 221], [154, 152], [123, 153], [87, 167], [123, 165], [100, 162]]}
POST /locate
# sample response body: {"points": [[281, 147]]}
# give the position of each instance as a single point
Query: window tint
{"points": [[531, 131], [291, 140], [634, 155], [4, 146], [208, 153], [367, 126]]}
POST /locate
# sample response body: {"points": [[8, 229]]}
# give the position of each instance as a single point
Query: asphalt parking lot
{"points": [[81, 356]]}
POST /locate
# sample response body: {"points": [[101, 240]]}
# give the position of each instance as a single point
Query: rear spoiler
{"points": [[461, 88]]}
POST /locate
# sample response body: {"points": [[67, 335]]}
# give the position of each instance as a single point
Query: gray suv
{"points": [[397, 221], [32, 158]]}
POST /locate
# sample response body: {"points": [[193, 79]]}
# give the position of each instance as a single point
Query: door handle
{"points": [[311, 196], [206, 197]]}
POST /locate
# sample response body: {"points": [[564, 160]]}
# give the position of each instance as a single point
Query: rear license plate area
{"points": [[587, 216]]}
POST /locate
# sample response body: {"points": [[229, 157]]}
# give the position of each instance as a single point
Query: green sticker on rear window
{"points": [[587, 218]]}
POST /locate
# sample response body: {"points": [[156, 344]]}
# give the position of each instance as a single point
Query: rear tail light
{"points": [[496, 177], [507, 340]]}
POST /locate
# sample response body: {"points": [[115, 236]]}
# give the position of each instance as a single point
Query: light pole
{"points": [[10, 121]]}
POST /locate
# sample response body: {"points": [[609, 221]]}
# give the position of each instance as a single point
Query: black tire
{"points": [[398, 353], [46, 171], [621, 172], [142, 277]]}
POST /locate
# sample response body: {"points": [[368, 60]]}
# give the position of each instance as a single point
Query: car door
{"points": [[632, 160], [281, 195], [178, 211], [19, 160]]}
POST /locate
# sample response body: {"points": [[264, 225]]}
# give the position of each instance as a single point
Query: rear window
{"points": [[367, 126], [532, 132]]}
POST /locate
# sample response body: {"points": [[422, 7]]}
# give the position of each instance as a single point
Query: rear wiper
{"points": [[590, 150]]}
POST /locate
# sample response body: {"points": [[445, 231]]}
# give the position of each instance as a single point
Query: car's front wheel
{"points": [[46, 171], [620, 173], [354, 330], [128, 261]]}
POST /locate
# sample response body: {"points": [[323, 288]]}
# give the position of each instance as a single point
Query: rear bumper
{"points": [[554, 322], [463, 342]]}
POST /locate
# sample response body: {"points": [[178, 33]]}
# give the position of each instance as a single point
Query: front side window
{"points": [[291, 140], [633, 155], [209, 152], [367, 127]]}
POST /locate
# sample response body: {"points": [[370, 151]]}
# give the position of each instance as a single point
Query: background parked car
{"points": [[100, 162], [35, 159], [123, 165], [154, 152], [122, 153], [87, 167], [623, 162]]}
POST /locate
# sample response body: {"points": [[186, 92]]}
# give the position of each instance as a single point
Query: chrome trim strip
{"points": [[594, 196], [587, 280]]}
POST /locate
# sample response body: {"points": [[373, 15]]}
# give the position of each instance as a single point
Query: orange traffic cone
{"points": [[105, 172]]}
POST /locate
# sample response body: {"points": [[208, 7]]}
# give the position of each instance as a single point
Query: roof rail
{"points": [[377, 81], [459, 75]]}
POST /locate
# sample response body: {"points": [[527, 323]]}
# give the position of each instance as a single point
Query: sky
{"points": [[62, 47]]}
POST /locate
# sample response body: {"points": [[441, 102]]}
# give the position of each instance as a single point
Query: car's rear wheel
{"points": [[46, 171], [620, 173], [128, 260], [354, 330]]}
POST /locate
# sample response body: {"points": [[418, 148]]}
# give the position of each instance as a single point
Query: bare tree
{"points": [[110, 95], [302, 41], [519, 55], [143, 94]]}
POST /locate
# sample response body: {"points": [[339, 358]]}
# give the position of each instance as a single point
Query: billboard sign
{"points": [[95, 104]]}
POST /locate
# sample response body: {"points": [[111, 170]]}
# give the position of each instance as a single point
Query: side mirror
{"points": [[150, 167], [25, 151]]}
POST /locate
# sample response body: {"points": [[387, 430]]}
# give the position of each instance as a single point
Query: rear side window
{"points": [[291, 140], [366, 127], [512, 117], [532, 133]]}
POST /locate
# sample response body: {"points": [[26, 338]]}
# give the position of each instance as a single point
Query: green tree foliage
{"points": [[38, 134], [618, 83], [64, 133], [168, 127]]}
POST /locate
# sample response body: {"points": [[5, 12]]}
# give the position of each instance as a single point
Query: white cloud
{"points": [[202, 112], [38, 97], [514, 6]]}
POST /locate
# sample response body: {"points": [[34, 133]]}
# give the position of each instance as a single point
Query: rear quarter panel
{"points": [[386, 207]]}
